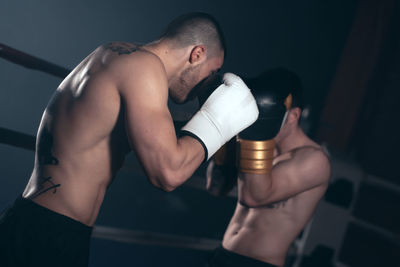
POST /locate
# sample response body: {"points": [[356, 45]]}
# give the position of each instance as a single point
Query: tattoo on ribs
{"points": [[122, 48], [45, 157], [45, 185]]}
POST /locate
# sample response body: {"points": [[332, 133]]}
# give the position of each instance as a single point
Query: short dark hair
{"points": [[280, 80], [196, 28]]}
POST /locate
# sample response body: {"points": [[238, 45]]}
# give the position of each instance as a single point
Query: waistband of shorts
{"points": [[241, 260], [28, 208]]}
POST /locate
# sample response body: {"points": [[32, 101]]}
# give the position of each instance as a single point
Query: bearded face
{"points": [[191, 80], [182, 85]]}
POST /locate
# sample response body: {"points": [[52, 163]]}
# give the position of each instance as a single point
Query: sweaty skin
{"points": [[272, 209], [114, 100]]}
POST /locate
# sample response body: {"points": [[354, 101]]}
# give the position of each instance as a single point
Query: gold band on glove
{"points": [[256, 156]]}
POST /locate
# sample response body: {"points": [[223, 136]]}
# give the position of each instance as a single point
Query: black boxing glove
{"points": [[256, 144], [272, 106]]}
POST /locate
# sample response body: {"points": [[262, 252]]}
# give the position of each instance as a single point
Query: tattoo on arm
{"points": [[122, 48], [276, 205]]}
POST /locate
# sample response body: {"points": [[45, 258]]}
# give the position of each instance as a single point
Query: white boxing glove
{"points": [[230, 109]]}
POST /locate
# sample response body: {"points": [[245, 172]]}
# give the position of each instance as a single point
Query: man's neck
{"points": [[172, 59]]}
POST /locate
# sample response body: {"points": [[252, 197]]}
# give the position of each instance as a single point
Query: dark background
{"points": [[345, 51]]}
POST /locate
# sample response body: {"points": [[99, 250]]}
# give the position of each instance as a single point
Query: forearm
{"points": [[254, 189], [191, 156], [255, 165], [168, 168], [221, 171]]}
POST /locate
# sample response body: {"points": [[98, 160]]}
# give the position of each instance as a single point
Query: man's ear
{"points": [[294, 115], [198, 54]]}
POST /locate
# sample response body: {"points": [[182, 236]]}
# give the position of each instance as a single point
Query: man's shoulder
{"points": [[140, 68], [310, 151], [313, 160], [131, 59]]}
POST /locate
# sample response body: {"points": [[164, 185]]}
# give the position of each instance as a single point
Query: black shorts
{"points": [[225, 258], [31, 235]]}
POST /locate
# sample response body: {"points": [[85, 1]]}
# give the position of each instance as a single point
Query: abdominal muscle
{"points": [[264, 234]]}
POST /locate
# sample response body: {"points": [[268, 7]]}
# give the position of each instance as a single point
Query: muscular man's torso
{"points": [[266, 233], [81, 141]]}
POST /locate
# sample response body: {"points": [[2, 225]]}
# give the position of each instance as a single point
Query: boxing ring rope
{"points": [[28, 142], [154, 239], [32, 62], [11, 137], [17, 139]]}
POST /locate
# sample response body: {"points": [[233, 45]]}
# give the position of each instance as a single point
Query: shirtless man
{"points": [[277, 195], [115, 101]]}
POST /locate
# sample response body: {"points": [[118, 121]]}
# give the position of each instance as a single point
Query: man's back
{"points": [[82, 140]]}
